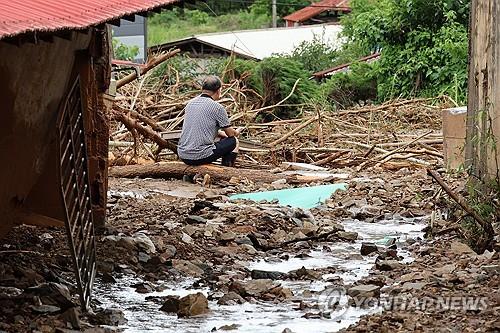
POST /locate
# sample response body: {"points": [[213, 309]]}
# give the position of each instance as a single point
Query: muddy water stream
{"points": [[144, 316]]}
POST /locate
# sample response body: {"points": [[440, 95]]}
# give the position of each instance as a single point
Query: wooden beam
{"points": [[116, 22], [65, 34], [130, 18]]}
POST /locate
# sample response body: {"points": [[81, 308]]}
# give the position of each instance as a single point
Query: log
{"points": [[292, 132], [133, 124], [216, 172], [486, 225], [149, 66]]}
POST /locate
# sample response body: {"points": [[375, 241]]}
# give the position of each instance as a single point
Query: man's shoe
{"points": [[229, 159]]}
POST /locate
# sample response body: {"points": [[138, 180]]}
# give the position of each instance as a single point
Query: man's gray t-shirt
{"points": [[203, 119]]}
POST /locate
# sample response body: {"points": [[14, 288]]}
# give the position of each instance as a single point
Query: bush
{"points": [[315, 55], [273, 78], [423, 43]]}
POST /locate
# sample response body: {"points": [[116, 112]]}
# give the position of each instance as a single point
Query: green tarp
{"points": [[302, 197]]}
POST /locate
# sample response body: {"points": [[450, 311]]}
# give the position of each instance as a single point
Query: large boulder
{"points": [[364, 291], [193, 305]]}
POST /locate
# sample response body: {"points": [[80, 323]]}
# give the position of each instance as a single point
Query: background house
{"points": [[325, 11], [253, 44]]}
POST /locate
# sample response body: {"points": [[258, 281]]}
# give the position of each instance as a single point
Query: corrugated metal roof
{"points": [[263, 43], [20, 16], [317, 8]]}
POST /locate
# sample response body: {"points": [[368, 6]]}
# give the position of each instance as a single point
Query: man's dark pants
{"points": [[223, 149]]}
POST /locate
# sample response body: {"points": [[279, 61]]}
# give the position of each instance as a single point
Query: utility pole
{"points": [[274, 14], [483, 106]]}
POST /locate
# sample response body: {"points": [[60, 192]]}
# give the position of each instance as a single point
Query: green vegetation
{"points": [[177, 23], [424, 45], [124, 52]]}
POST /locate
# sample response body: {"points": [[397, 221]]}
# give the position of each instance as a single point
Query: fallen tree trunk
{"points": [[132, 124], [489, 233], [216, 172], [149, 66]]}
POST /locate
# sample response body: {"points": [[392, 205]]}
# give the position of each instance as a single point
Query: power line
{"points": [[314, 5], [238, 38]]}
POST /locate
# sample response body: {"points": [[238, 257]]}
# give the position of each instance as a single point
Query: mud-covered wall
{"points": [[34, 79]]}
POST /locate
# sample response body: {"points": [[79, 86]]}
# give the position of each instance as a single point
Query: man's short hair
{"points": [[211, 83]]}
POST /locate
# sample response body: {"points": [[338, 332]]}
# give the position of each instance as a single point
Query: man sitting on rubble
{"points": [[205, 119]]}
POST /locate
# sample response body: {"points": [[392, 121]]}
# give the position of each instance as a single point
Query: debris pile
{"points": [[394, 135]]}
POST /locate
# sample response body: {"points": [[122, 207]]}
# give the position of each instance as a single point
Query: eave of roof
{"points": [[26, 16], [317, 8], [195, 39], [329, 71]]}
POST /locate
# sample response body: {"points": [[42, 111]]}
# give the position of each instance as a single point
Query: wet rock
{"points": [[228, 236], [389, 254], [144, 243], [308, 228], [459, 248], [304, 274], [186, 238], [53, 294], [110, 316], [171, 304], [231, 327], [279, 236], [413, 286], [248, 248], [190, 230], [9, 292], [143, 257], [348, 235], [364, 212], [243, 240], [169, 252], [312, 315], [367, 248], [272, 275], [143, 288], [299, 235], [253, 288], [107, 278], [193, 305], [187, 268], [105, 266], [231, 298], [282, 293], [72, 318], [195, 219], [44, 309], [364, 291], [46, 240], [387, 265], [287, 330]]}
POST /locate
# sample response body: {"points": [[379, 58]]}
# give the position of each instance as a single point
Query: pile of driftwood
{"points": [[397, 134]]}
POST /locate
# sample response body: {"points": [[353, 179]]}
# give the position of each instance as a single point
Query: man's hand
{"points": [[221, 134], [231, 132]]}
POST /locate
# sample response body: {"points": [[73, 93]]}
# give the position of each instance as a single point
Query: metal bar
{"points": [[75, 192]]}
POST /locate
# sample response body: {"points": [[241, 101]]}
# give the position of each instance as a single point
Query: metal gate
{"points": [[75, 191]]}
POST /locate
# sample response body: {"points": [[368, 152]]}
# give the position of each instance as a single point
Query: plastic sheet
{"points": [[302, 197]]}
